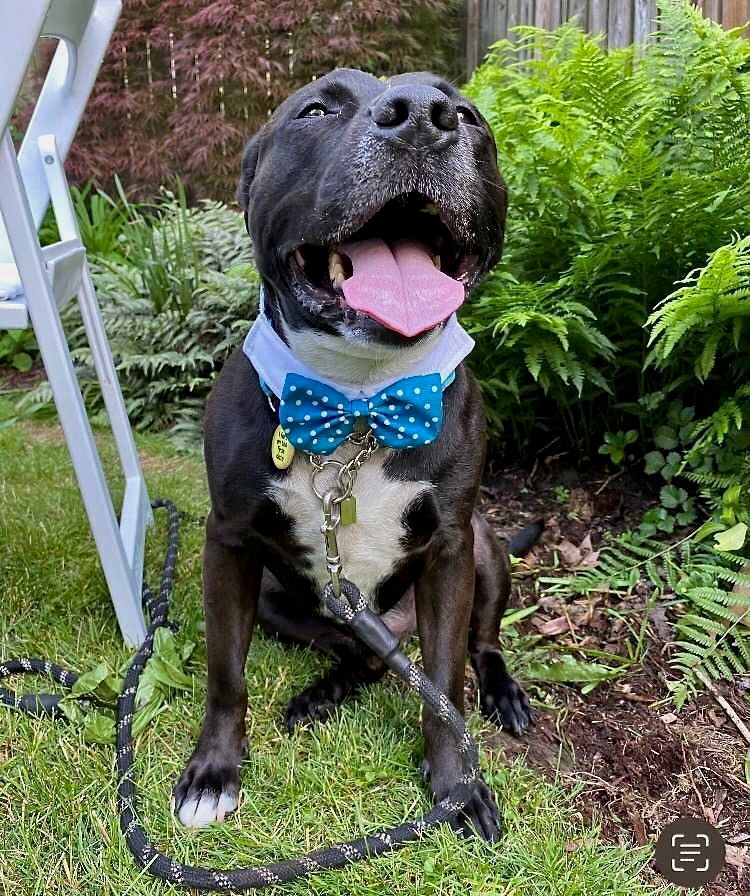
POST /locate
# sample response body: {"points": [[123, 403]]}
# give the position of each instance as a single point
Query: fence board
{"points": [[599, 16], [545, 13], [734, 13], [473, 35], [578, 9], [514, 17], [527, 10], [620, 21], [620, 27], [644, 24], [711, 8]]}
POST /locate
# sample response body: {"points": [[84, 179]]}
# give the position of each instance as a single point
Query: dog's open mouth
{"points": [[403, 268]]}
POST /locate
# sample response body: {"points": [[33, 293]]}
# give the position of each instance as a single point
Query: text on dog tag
{"points": [[282, 450]]}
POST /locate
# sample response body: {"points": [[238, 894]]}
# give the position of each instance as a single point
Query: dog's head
{"points": [[374, 206]]}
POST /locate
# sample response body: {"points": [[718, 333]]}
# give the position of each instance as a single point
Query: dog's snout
{"points": [[421, 116]]}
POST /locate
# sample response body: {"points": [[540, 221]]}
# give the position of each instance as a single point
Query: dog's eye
{"points": [[466, 116], [314, 110]]}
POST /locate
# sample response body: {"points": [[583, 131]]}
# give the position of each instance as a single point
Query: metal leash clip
{"points": [[331, 522], [339, 503]]}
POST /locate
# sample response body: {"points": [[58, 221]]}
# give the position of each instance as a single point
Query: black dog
{"points": [[349, 158]]}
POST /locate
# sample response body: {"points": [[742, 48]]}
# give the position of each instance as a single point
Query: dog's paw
{"points": [[206, 792], [318, 702], [480, 817], [308, 707], [501, 699], [507, 706]]}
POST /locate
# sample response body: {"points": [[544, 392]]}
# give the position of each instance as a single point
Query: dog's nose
{"points": [[422, 116]]}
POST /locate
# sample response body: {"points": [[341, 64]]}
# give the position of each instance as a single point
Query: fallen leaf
{"points": [[638, 698], [737, 856], [551, 627], [572, 845], [669, 718], [590, 559], [731, 539], [639, 828], [569, 553], [588, 555], [658, 618]]}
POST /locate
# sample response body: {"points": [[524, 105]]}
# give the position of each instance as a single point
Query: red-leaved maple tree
{"points": [[185, 82]]}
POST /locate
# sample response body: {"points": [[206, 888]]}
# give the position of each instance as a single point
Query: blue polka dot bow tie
{"points": [[317, 418]]}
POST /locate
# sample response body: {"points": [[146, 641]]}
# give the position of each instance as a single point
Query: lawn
{"points": [[356, 774]]}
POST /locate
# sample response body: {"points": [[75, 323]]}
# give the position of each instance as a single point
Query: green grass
{"points": [[356, 774]]}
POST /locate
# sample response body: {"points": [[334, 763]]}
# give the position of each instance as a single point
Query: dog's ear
{"points": [[249, 164]]}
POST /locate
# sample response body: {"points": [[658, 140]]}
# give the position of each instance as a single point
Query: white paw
{"points": [[206, 809]]}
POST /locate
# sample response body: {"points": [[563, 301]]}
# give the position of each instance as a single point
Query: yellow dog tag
{"points": [[282, 450]]}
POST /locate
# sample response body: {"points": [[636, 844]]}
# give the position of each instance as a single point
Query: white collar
{"points": [[273, 359]]}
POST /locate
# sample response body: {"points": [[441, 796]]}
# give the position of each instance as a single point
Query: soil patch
{"points": [[636, 763]]}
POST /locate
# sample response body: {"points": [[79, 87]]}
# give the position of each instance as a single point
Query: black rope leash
{"points": [[370, 629]]}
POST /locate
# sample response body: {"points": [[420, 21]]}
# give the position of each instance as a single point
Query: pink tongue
{"points": [[400, 288]]}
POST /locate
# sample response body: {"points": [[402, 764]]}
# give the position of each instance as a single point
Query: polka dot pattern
{"points": [[414, 403]]}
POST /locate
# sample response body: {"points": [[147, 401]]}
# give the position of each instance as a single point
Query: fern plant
{"points": [[624, 174], [711, 591], [170, 328], [538, 332], [707, 313]]}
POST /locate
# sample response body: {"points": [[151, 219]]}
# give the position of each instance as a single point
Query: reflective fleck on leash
{"points": [[345, 601]]}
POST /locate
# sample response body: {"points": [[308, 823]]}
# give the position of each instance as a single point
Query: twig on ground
{"points": [[612, 479], [725, 705]]}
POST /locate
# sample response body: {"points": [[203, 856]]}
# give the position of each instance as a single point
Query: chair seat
{"points": [[64, 262]]}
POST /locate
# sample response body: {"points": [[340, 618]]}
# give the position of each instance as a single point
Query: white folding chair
{"points": [[36, 282]]}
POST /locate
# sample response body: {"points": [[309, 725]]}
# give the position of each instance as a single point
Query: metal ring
{"points": [[346, 484]]}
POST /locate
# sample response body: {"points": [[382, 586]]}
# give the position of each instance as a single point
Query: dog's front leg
{"points": [[209, 786], [444, 596]]}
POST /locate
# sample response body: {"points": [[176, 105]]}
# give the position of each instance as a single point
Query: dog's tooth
{"points": [[336, 270], [436, 261], [299, 258], [334, 264]]}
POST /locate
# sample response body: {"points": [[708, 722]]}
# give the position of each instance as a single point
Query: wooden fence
{"points": [[621, 21]]}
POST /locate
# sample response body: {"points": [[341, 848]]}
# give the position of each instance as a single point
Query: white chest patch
{"points": [[371, 548]]}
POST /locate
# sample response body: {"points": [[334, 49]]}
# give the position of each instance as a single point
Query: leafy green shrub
{"points": [[18, 349], [176, 299], [624, 174], [700, 331], [616, 445], [533, 330], [629, 181], [101, 219]]}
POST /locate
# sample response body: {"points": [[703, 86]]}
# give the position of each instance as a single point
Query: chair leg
{"points": [[70, 407], [136, 512], [121, 580], [124, 585]]}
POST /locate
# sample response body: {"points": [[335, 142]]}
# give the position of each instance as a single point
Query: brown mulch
{"points": [[12, 380], [635, 762]]}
